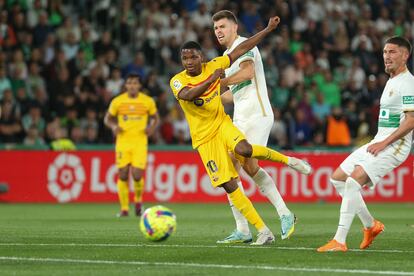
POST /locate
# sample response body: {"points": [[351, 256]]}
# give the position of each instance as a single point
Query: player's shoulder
{"points": [[120, 97], [408, 79], [145, 96], [178, 81], [179, 75]]}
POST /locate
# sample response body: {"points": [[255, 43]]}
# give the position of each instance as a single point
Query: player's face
{"points": [[225, 31], [191, 60], [133, 86], [395, 58]]}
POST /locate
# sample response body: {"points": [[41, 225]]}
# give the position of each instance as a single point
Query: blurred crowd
{"points": [[61, 62]]}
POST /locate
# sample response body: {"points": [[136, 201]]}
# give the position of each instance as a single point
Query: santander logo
{"points": [[66, 177]]}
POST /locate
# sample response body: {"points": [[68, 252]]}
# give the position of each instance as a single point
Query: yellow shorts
{"points": [[215, 153], [134, 154]]}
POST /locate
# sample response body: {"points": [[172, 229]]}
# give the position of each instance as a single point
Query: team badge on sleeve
{"points": [[177, 84]]}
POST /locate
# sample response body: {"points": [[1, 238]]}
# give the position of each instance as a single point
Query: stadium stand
{"points": [[62, 61]]}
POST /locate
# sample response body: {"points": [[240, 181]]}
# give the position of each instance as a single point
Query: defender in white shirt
{"points": [[253, 115], [389, 148]]}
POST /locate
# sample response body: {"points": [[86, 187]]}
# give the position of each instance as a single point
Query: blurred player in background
{"points": [[132, 117], [389, 148], [253, 116], [197, 89]]}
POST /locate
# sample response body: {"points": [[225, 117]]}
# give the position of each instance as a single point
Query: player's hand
{"points": [[376, 148], [217, 74], [117, 130], [149, 131], [273, 23]]}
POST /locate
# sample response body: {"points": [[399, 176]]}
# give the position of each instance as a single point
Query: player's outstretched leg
{"points": [[244, 149]]}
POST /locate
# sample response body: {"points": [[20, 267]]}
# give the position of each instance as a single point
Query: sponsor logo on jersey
{"points": [[408, 99]]}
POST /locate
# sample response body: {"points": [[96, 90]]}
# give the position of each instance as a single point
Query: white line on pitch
{"points": [[200, 265], [195, 246]]}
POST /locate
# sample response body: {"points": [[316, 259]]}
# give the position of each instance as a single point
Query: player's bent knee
{"points": [[230, 186], [339, 175], [244, 149], [360, 175]]}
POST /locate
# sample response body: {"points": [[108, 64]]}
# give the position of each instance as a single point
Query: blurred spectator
{"points": [[201, 18], [320, 108], [114, 84], [303, 130], [10, 126], [137, 66], [33, 137], [34, 80], [70, 46], [5, 83], [181, 130], [60, 141], [66, 28], [337, 133], [41, 30], [7, 35], [34, 119], [278, 133]]}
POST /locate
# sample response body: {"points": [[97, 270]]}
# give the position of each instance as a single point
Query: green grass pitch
{"points": [[87, 239]]}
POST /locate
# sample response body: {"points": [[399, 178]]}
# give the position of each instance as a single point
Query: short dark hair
{"points": [[400, 41], [191, 45], [224, 14], [133, 75]]}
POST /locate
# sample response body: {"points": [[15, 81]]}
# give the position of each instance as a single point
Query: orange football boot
{"points": [[371, 233], [333, 246]]}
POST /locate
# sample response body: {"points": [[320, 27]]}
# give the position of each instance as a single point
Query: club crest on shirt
{"points": [[390, 93], [198, 102]]}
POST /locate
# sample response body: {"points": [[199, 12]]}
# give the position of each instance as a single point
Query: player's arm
{"points": [[112, 123], [226, 97], [405, 127], [189, 94], [248, 44], [245, 73], [153, 121]]}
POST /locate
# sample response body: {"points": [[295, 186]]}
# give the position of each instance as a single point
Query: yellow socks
{"points": [[245, 206], [123, 194], [138, 190], [264, 153]]}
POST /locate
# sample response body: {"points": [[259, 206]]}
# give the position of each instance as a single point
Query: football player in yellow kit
{"points": [[132, 116], [197, 89]]}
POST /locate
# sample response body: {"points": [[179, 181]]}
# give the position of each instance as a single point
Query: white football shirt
{"points": [[397, 97], [250, 97]]}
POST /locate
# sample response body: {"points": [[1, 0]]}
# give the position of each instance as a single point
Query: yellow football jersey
{"points": [[204, 114], [132, 114]]}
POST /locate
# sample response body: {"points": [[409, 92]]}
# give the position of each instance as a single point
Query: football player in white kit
{"points": [[253, 115], [389, 148]]}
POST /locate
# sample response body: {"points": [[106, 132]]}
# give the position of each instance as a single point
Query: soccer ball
{"points": [[158, 223]]}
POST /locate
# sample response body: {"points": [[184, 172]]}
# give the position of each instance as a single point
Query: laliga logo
{"points": [[65, 177]]}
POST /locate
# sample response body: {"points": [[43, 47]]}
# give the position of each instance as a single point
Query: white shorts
{"points": [[378, 166], [257, 130]]}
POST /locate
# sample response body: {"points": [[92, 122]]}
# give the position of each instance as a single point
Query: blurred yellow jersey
{"points": [[206, 113], [132, 115]]}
